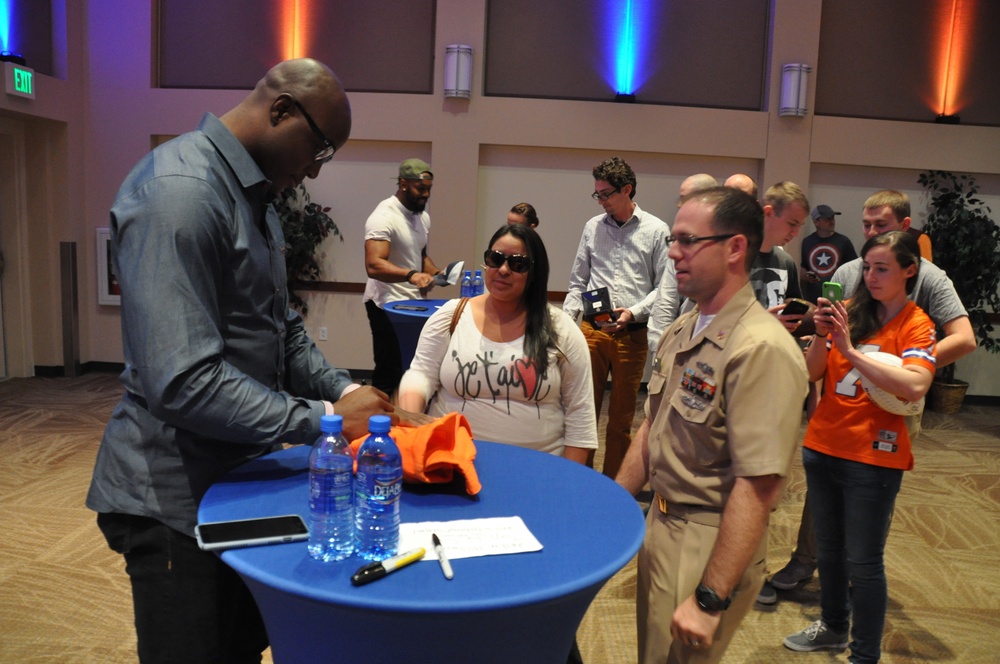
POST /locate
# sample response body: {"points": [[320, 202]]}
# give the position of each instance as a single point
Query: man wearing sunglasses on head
{"points": [[624, 250], [397, 263]]}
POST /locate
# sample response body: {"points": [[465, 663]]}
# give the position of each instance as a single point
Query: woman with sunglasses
{"points": [[855, 452], [515, 366]]}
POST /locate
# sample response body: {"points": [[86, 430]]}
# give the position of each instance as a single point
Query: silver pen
{"points": [[443, 559]]}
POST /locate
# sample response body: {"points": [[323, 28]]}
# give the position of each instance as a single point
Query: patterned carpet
{"points": [[66, 598]]}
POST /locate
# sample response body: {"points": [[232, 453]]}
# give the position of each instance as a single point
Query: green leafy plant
{"points": [[305, 225], [966, 246]]}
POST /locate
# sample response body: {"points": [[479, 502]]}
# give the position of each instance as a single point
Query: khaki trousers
{"points": [[671, 562]]}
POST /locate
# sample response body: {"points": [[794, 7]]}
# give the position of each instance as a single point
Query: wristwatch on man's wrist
{"points": [[409, 275], [708, 600]]}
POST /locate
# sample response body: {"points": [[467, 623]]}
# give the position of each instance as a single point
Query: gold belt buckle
{"points": [[662, 502]]}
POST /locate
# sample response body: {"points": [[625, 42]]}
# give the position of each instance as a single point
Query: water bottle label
{"points": [[383, 485], [386, 491], [329, 489]]}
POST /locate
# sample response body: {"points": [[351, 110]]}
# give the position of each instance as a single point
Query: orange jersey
{"points": [[847, 424]]}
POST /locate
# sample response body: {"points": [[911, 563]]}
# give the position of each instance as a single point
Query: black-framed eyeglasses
{"points": [[691, 240], [325, 153], [516, 262], [604, 195]]}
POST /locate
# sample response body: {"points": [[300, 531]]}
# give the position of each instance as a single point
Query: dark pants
{"points": [[385, 349], [852, 503], [805, 544], [190, 607]]}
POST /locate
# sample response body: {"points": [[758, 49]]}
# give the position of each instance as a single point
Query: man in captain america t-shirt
{"points": [[823, 252]]}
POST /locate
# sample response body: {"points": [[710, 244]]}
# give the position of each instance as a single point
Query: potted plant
{"points": [[966, 246], [305, 225]]}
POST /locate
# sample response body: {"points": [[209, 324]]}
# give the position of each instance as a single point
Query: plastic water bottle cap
{"points": [[331, 423], [379, 424]]}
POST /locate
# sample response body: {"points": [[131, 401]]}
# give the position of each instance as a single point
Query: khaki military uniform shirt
{"points": [[726, 403]]}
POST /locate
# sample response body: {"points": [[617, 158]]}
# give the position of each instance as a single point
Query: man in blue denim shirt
{"points": [[218, 369]]}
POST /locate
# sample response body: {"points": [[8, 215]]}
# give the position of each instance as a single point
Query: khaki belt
{"points": [[705, 516]]}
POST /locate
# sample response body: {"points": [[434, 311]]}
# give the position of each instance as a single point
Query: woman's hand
{"points": [[840, 333], [823, 316]]}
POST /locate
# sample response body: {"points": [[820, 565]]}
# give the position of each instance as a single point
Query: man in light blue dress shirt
{"points": [[624, 250]]}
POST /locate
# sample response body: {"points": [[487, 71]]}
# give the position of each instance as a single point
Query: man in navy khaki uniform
{"points": [[722, 423]]}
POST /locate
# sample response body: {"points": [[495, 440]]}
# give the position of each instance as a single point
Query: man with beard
{"points": [[397, 263], [823, 252]]}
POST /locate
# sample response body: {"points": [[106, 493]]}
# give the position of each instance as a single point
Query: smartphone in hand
{"points": [[833, 291], [796, 307]]}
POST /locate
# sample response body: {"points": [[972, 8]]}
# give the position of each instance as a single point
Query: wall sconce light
{"points": [[794, 86], [10, 56], [458, 71]]}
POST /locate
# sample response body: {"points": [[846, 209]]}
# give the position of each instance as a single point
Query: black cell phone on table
{"points": [[796, 307], [833, 291], [409, 307], [220, 535]]}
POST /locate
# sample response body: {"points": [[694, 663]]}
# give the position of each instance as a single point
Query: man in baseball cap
{"points": [[823, 212], [418, 169], [397, 263], [823, 252]]}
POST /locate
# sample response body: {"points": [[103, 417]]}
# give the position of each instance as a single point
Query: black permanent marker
{"points": [[374, 571]]}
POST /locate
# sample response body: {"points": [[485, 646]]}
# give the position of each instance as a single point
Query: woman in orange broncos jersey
{"points": [[854, 452]]}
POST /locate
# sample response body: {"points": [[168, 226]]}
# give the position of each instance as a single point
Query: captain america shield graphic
{"points": [[824, 260]]}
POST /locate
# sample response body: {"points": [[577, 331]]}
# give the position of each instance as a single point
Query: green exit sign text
{"points": [[20, 80]]}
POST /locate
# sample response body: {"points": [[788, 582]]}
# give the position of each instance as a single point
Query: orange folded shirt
{"points": [[432, 452]]}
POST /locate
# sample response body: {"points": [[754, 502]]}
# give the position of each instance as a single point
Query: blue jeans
{"points": [[852, 505]]}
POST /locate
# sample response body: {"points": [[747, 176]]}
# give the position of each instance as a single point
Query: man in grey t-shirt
{"points": [[889, 210], [884, 211]]}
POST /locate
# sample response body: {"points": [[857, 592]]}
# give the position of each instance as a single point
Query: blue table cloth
{"points": [[408, 321], [510, 608]]}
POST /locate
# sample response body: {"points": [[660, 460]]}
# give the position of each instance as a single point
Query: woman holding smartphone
{"points": [[515, 366], [854, 452]]}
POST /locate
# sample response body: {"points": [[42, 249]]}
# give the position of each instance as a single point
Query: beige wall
{"points": [[487, 154]]}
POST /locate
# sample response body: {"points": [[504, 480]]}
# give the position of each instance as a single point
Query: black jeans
{"points": [[190, 607], [385, 348]]}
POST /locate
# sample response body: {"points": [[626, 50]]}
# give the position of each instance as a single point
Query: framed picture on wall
{"points": [[108, 291]]}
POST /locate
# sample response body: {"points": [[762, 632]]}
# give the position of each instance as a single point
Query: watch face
{"points": [[709, 601]]}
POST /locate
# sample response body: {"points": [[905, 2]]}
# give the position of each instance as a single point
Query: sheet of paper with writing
{"points": [[469, 538]]}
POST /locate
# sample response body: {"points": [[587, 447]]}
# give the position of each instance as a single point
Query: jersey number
{"points": [[848, 385]]}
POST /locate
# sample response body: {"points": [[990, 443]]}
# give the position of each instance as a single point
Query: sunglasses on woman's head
{"points": [[516, 262]]}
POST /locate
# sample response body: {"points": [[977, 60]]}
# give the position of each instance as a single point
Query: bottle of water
{"points": [[467, 284], [331, 499], [377, 492], [478, 287]]}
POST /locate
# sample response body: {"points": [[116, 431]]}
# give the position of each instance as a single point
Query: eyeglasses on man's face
{"points": [[325, 153], [516, 262], [604, 195], [691, 240]]}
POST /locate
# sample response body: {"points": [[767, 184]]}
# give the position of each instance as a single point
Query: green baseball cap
{"points": [[415, 169]]}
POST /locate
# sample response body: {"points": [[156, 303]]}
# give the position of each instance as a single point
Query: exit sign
{"points": [[20, 80]]}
